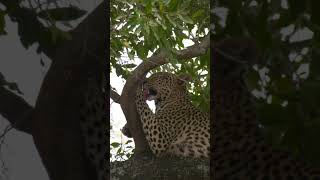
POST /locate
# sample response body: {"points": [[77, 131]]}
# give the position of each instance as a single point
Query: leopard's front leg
{"points": [[154, 131]]}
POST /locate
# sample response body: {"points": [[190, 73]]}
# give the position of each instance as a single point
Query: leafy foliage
{"points": [[123, 151], [287, 34], [32, 30], [39, 24], [140, 28]]}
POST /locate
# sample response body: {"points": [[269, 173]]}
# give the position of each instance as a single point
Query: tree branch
{"points": [[127, 98], [194, 50], [114, 95], [15, 109]]}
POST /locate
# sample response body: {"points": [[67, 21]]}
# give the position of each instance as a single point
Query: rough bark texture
{"points": [[169, 168]]}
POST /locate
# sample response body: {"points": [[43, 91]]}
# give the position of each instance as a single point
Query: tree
{"points": [[54, 121], [154, 31], [286, 81]]}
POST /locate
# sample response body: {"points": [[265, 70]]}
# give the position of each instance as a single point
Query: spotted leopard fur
{"points": [[177, 127], [94, 126], [240, 151]]}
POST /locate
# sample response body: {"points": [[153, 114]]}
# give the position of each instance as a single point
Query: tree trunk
{"points": [[168, 168]]}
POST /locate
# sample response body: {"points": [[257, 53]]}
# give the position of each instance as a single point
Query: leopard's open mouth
{"points": [[150, 94]]}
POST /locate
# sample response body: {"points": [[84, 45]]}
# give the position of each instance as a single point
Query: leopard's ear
{"points": [[184, 78]]}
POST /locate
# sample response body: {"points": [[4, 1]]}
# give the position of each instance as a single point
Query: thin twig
{"points": [[114, 95]]}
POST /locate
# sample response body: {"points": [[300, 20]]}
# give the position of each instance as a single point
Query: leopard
{"points": [[93, 125], [240, 150], [177, 127]]}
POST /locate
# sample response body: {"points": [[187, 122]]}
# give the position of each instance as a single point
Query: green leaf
{"points": [[141, 51], [146, 28], [252, 78], [275, 115], [56, 34], [66, 35], [131, 54], [170, 20], [161, 7], [309, 94], [115, 144], [152, 23], [283, 86], [155, 33], [173, 5], [197, 14], [119, 17], [119, 70], [62, 14], [119, 152], [129, 65], [185, 19], [148, 7], [276, 100], [138, 29], [161, 24]]}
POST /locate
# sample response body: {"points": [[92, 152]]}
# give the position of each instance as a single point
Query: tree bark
{"points": [[169, 168]]}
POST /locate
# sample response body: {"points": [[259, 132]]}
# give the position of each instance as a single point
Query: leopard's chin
{"points": [[151, 98], [150, 94]]}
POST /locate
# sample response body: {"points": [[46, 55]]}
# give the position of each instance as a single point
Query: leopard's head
{"points": [[162, 85]]}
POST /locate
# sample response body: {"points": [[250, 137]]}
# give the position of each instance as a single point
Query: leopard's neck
{"points": [[181, 98]]}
